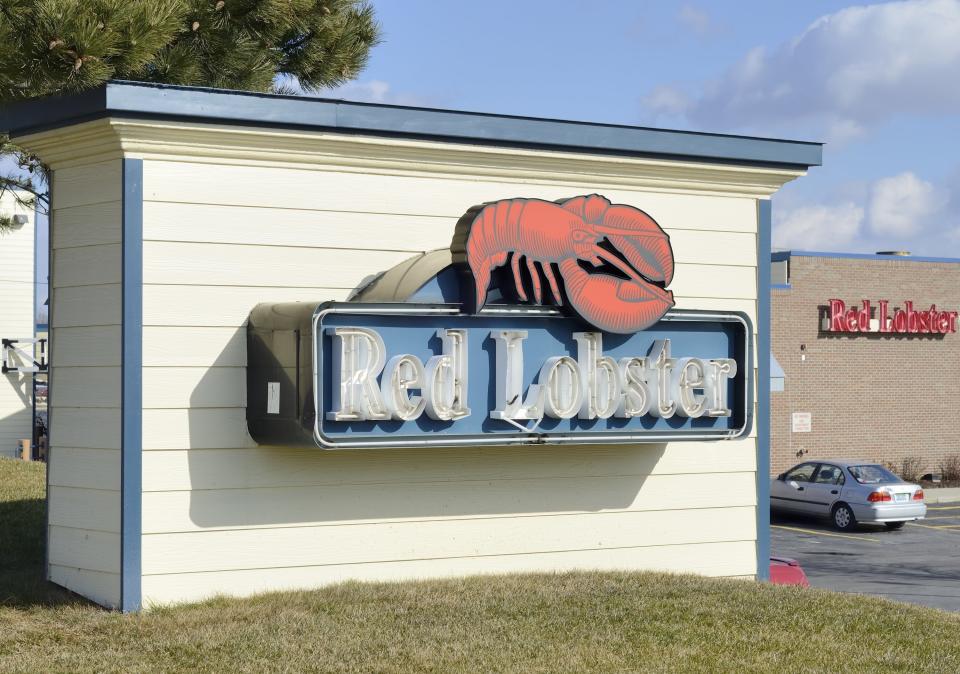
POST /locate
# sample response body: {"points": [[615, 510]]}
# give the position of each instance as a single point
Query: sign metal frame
{"points": [[519, 438]]}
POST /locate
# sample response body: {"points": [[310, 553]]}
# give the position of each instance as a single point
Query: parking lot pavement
{"points": [[920, 563]]}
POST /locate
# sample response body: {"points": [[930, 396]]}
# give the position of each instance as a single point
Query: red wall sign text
{"points": [[905, 321]]}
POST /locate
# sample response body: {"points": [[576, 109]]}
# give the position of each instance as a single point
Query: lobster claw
{"points": [[609, 302], [612, 304], [640, 240]]}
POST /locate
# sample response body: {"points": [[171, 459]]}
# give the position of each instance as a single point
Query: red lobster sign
{"points": [[609, 263]]}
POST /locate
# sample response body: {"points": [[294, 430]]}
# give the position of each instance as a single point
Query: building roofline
{"points": [[158, 101], [781, 255]]}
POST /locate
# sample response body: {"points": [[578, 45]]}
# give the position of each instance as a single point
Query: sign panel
{"points": [[883, 319], [802, 422], [544, 322], [407, 375]]}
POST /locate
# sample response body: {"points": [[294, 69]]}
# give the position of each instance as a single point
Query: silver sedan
{"points": [[848, 492]]}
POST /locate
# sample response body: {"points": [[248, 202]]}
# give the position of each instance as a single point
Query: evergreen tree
{"points": [[50, 47]]}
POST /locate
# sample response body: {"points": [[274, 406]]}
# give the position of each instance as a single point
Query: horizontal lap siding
{"points": [[463, 499], [84, 494], [84, 467], [712, 559], [16, 322], [221, 513], [99, 586], [272, 467], [276, 190], [440, 539], [208, 264]]}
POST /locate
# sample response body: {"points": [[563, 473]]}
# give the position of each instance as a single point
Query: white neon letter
{"points": [[446, 377], [662, 364], [560, 377], [718, 372], [510, 379], [601, 389], [402, 374], [358, 358], [635, 401], [688, 379]]}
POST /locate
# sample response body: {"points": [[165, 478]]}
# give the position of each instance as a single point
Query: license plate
{"points": [[901, 497]]}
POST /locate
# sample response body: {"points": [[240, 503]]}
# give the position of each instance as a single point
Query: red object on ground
{"points": [[785, 571]]}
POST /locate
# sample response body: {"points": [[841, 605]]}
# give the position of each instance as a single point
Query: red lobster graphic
{"points": [[613, 259]]}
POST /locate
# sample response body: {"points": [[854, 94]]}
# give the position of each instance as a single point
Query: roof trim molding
{"points": [[112, 138], [781, 255], [165, 102]]}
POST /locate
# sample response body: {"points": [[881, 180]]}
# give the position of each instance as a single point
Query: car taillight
{"points": [[918, 495], [879, 496]]}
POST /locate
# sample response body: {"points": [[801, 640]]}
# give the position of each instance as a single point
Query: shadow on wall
{"points": [[251, 485], [23, 581]]}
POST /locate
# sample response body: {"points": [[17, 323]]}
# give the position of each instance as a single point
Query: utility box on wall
{"points": [[177, 211], [280, 374]]}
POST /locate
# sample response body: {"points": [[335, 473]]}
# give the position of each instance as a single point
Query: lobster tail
{"points": [[479, 239], [472, 273]]}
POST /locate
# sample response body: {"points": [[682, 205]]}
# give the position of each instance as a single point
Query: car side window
{"points": [[829, 475], [801, 473]]}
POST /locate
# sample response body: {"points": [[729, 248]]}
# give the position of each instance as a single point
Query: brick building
{"points": [[877, 381]]}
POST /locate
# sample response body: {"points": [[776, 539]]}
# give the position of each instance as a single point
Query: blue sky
{"points": [[876, 82]]}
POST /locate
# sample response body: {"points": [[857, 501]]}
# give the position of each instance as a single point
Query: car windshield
{"points": [[872, 474]]}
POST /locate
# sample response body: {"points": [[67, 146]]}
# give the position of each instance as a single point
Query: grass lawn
{"points": [[574, 622]]}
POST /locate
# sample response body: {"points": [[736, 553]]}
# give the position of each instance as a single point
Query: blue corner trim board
{"points": [[763, 391], [157, 101], [50, 412], [782, 255], [780, 286], [131, 414]]}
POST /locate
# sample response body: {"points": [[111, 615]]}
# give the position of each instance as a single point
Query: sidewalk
{"points": [[944, 495]]}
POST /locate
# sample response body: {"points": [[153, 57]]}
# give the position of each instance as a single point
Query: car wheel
{"points": [[843, 518], [893, 526]]}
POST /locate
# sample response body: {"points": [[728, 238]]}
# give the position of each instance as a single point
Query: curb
{"points": [[941, 495]]}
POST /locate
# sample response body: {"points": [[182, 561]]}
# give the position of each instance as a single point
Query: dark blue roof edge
{"points": [[141, 99], [781, 255]]}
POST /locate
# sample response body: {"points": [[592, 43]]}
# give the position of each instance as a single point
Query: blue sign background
{"points": [[701, 335]]}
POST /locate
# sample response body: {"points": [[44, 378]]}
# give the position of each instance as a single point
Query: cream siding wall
{"points": [[16, 322], [221, 514], [84, 468]]}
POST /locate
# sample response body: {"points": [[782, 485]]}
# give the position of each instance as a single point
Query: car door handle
{"points": [[834, 491], [799, 488]]}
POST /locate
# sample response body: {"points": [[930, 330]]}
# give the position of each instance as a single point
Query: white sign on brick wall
{"points": [[802, 422]]}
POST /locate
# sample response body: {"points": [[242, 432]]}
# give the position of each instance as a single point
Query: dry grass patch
{"points": [[575, 622]]}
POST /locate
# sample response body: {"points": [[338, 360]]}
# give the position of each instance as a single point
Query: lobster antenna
{"points": [[604, 229]]}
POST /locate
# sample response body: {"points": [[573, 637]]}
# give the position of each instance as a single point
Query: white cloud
{"points": [[695, 19], [818, 227], [900, 211], [846, 71], [369, 91], [667, 101], [902, 205]]}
